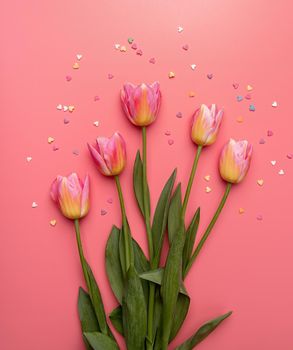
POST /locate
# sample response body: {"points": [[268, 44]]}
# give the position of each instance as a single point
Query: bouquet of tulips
{"points": [[152, 300]]}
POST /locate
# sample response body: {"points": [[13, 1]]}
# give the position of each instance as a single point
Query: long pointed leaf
{"points": [[100, 341], [161, 215], [116, 319], [141, 265], [174, 215], [202, 332], [181, 310]]}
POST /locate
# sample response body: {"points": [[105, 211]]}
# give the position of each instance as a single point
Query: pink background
{"points": [[246, 265]]}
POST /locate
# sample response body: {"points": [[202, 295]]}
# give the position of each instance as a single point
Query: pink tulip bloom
{"points": [[109, 154], [205, 125], [141, 103], [235, 160], [71, 195]]}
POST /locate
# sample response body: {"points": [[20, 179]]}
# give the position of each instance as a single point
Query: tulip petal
{"points": [[102, 166], [85, 197]]}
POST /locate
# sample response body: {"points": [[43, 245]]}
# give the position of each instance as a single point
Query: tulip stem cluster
{"points": [[209, 228]]}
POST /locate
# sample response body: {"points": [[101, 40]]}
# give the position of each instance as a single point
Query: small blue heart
{"points": [[239, 98], [252, 108]]}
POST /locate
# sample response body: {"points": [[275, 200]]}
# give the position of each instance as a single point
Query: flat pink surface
{"points": [[246, 265]]}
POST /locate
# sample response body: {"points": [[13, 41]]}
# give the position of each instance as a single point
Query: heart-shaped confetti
{"points": [[251, 108], [249, 88], [248, 96], [273, 162], [167, 133], [68, 77], [139, 52], [55, 148], [259, 217], [208, 189], [96, 123], [239, 119], [210, 76], [75, 152], [117, 46], [29, 159], [97, 98], [191, 94], [110, 76], [193, 66], [281, 172], [130, 40], [134, 46], [53, 222], [275, 104], [152, 60], [179, 115], [239, 98], [185, 47], [79, 56], [51, 139], [180, 29], [71, 108], [241, 210], [262, 141], [290, 155], [66, 121], [123, 49], [103, 212], [260, 182], [65, 108], [235, 85], [207, 177], [110, 200], [75, 65], [170, 142], [59, 107], [34, 205], [270, 133], [171, 75]]}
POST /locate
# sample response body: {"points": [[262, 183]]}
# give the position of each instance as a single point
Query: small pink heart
{"points": [[103, 212], [185, 47], [66, 121], [139, 52], [110, 76], [259, 217], [248, 96], [97, 98], [262, 141], [179, 115], [290, 155], [152, 60], [210, 76], [167, 133], [235, 85], [68, 77], [270, 133], [55, 148], [134, 46], [170, 142]]}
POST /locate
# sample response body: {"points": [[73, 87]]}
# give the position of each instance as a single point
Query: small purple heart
{"points": [[167, 133], [235, 85], [179, 115], [210, 76], [68, 77], [152, 60], [103, 212], [270, 133], [134, 46], [110, 76], [139, 52], [97, 98]]}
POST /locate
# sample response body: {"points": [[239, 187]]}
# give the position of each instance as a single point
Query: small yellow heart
{"points": [[123, 49], [71, 108], [51, 139], [260, 182], [191, 94], [53, 222], [75, 65], [171, 75], [207, 177], [249, 88], [208, 189], [241, 210], [239, 119]]}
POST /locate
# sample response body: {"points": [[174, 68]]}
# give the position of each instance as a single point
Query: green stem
{"points": [[125, 230], [190, 181], [152, 287], [209, 229], [81, 255]]}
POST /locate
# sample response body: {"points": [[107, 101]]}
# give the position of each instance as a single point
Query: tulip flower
{"points": [[206, 123], [141, 103], [235, 160], [109, 154], [71, 195]]}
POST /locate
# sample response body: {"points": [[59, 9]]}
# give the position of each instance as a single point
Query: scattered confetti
{"points": [[152, 60], [270, 133], [281, 172], [53, 222], [103, 212], [248, 96], [273, 162], [275, 104], [262, 141], [51, 139], [210, 76], [191, 94], [71, 108], [29, 159], [117, 46], [96, 123], [170, 142], [97, 98], [235, 86], [75, 152], [290, 155], [185, 47], [180, 29], [79, 56], [110, 76], [59, 107], [167, 133], [239, 119], [110, 200], [259, 217], [251, 108], [66, 121], [241, 210], [179, 115], [260, 182], [208, 189], [249, 88], [75, 65], [239, 98], [207, 177], [55, 148], [139, 52], [193, 66], [65, 108], [68, 77], [134, 46], [123, 49], [171, 75], [130, 40], [34, 205]]}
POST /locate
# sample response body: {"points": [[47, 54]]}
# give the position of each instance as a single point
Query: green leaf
{"points": [[156, 276], [160, 217], [88, 320], [202, 332], [100, 341], [116, 319], [141, 265], [171, 283], [113, 265], [134, 312], [190, 239], [125, 231], [174, 215], [97, 301], [181, 310], [138, 185]]}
